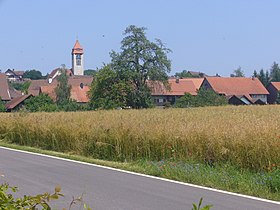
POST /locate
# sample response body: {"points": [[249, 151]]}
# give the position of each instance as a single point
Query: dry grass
{"points": [[248, 137]]}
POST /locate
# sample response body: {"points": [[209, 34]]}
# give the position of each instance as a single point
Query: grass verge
{"points": [[224, 177]]}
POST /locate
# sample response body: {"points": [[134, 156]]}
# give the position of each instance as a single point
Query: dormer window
{"points": [[78, 59]]}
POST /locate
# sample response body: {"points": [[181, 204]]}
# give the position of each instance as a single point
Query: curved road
{"points": [[106, 188]]}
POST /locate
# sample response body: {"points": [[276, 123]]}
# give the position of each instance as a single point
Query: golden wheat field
{"points": [[247, 136]]}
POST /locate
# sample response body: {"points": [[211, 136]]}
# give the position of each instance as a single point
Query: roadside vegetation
{"points": [[232, 148], [10, 201]]}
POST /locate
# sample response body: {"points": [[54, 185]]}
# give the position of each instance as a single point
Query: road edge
{"points": [[144, 175]]}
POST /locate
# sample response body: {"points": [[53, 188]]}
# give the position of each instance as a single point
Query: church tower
{"points": [[78, 59]]}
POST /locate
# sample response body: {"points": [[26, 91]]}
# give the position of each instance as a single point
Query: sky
{"points": [[210, 36]]}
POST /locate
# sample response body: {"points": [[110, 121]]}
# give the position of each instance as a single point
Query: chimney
{"points": [[177, 79]]}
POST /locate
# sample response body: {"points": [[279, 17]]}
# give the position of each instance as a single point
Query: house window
{"points": [[160, 100], [78, 59]]}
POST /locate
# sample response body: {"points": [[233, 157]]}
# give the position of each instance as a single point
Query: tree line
{"points": [[124, 81], [265, 76]]}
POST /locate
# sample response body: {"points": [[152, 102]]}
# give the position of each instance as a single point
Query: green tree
{"points": [[2, 106], [23, 87], [33, 74], [255, 74], [275, 72], [278, 98], [262, 78], [138, 61], [108, 91], [63, 90], [208, 97], [204, 97], [73, 106], [184, 74], [41, 103], [185, 101], [90, 72], [238, 73], [267, 78]]}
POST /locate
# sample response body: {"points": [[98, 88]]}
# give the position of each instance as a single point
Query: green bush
{"points": [[2, 106], [42, 103], [27, 202], [204, 97]]}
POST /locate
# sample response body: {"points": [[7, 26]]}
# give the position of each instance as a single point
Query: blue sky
{"points": [[214, 36]]}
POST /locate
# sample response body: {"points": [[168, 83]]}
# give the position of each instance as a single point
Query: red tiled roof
{"points": [[77, 93], [77, 49], [80, 94], [4, 88], [276, 85], [237, 86], [35, 85], [179, 88], [14, 93], [68, 72], [50, 90], [77, 80], [16, 101]]}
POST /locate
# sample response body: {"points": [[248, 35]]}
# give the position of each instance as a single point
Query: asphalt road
{"points": [[104, 188]]}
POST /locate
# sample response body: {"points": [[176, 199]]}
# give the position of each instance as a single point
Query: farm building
{"points": [[273, 89], [239, 90], [176, 88]]}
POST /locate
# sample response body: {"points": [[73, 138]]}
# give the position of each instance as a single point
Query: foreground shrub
{"points": [[27, 202]]}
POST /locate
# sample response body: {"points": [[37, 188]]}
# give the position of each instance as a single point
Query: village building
{"points": [[16, 103], [176, 88], [274, 90], [14, 76], [7, 94], [79, 83], [80, 86], [78, 59], [238, 90], [4, 88]]}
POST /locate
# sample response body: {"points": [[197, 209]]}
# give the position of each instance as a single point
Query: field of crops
{"points": [[247, 137]]}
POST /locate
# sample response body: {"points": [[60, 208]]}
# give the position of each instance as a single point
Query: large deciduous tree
{"points": [[138, 61], [108, 91]]}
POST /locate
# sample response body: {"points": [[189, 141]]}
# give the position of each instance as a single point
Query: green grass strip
{"points": [[224, 177]]}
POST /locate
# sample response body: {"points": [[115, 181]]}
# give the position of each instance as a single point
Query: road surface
{"points": [[104, 188]]}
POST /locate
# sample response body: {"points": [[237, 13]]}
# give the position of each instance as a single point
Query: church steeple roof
{"points": [[77, 49]]}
